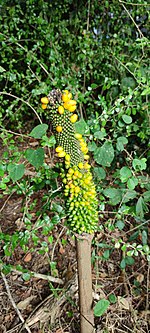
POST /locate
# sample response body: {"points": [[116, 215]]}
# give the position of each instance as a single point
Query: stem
{"points": [[83, 245]]}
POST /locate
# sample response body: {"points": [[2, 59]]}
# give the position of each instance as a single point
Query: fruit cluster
{"points": [[79, 188]]}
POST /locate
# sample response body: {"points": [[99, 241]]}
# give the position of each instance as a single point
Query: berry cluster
{"points": [[79, 188]]}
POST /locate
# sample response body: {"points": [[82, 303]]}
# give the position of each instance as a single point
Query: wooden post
{"points": [[83, 245]]}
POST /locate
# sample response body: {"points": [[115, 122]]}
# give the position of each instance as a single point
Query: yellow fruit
{"points": [[66, 91], [44, 106], [59, 149], [61, 109], [58, 129], [78, 136], [73, 118], [71, 171], [87, 166], [69, 95], [72, 108], [86, 157], [65, 98], [61, 154], [80, 165], [67, 157], [44, 100]]}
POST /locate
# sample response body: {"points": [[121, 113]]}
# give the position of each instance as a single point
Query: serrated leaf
{"points": [[101, 307], [39, 131], [114, 194], [105, 154], [35, 157], [16, 171]]}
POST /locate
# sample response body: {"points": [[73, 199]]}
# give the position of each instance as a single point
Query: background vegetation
{"points": [[99, 51]]}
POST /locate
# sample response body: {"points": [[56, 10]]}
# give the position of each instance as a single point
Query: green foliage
{"points": [[101, 307], [105, 63]]}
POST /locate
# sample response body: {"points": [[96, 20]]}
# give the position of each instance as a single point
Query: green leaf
{"points": [[114, 194], [123, 264], [105, 154], [112, 298], [121, 141], [39, 131], [144, 237], [125, 173], [82, 127], [120, 225], [35, 157], [139, 164], [132, 183], [141, 207], [129, 260], [127, 119], [99, 173], [101, 307], [26, 276], [16, 171], [92, 146], [146, 196], [99, 135], [128, 195]]}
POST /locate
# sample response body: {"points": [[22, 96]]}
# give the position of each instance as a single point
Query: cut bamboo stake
{"points": [[83, 245]]}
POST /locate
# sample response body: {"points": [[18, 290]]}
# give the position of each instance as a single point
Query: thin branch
{"points": [[41, 276], [134, 4], [22, 100], [132, 19], [14, 304]]}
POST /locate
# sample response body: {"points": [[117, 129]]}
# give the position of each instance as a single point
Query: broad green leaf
{"points": [[99, 135], [99, 173], [39, 131], [123, 263], [35, 157], [132, 183], [101, 307], [82, 127], [16, 171], [146, 196], [128, 195], [120, 225], [129, 260], [92, 146], [125, 173], [114, 194], [127, 119], [139, 164], [121, 141], [105, 154]]}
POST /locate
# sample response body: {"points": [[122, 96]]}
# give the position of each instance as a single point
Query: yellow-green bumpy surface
{"points": [[79, 188]]}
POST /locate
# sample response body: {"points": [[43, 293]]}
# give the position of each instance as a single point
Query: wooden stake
{"points": [[83, 245]]}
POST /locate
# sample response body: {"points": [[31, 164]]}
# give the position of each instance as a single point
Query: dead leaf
{"points": [[123, 303], [28, 257], [23, 304], [140, 278], [61, 250]]}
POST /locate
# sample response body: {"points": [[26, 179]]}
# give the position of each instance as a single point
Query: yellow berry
{"points": [[67, 157], [77, 189], [86, 157], [44, 106], [78, 136], [58, 129], [61, 109], [80, 165], [71, 171], [59, 149], [72, 108], [44, 100], [61, 154], [65, 98], [73, 118], [69, 95], [87, 166]]}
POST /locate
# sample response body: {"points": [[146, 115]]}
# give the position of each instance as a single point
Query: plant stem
{"points": [[83, 245]]}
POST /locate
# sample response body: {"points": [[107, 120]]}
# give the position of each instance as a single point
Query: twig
{"points": [[41, 276], [14, 304], [22, 100], [132, 19]]}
